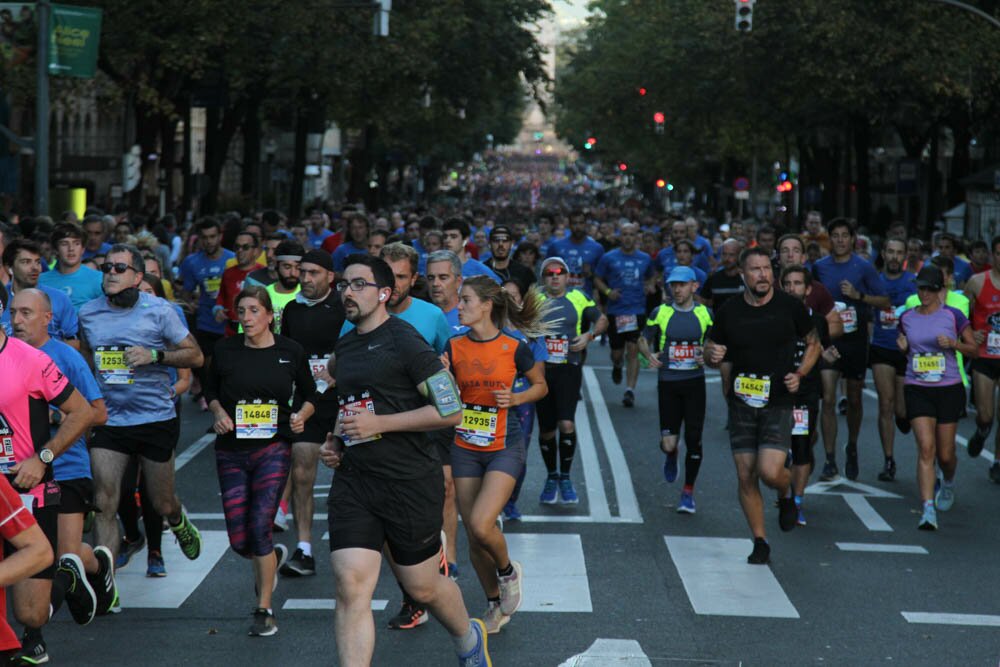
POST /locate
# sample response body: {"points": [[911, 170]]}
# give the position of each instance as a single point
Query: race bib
{"points": [[354, 405], [626, 323], [800, 423], [111, 366], [479, 425], [683, 356], [993, 344], [558, 349], [887, 318], [212, 286], [849, 317], [752, 390], [256, 419], [317, 365], [7, 460], [928, 367]]}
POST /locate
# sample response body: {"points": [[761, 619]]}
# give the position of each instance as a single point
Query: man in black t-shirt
{"points": [[501, 247], [313, 320], [727, 282], [389, 489], [756, 335]]}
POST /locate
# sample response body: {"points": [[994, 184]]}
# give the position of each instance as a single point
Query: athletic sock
{"points": [[567, 450], [831, 457], [493, 600], [507, 571], [61, 583], [983, 430], [689, 489], [692, 464], [467, 642], [306, 547], [548, 449], [631, 389]]}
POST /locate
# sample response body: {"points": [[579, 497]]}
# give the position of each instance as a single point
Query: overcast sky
{"points": [[571, 10]]}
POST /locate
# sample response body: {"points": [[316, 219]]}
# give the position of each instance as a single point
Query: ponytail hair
{"points": [[526, 318]]}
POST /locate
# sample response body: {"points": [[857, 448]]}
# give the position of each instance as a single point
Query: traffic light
{"points": [[658, 120], [744, 15], [592, 141], [622, 166], [660, 183], [642, 91], [784, 186]]}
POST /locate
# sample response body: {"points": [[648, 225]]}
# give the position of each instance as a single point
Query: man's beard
{"points": [[287, 283]]}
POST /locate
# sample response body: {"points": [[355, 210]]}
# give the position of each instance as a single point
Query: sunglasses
{"points": [[117, 267], [245, 246], [553, 272]]}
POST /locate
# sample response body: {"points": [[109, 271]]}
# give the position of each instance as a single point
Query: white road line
{"points": [[193, 450], [882, 548], [617, 652], [206, 516], [140, 591], [555, 572], [986, 620], [872, 520], [720, 582], [958, 438], [324, 604], [597, 497], [628, 504]]}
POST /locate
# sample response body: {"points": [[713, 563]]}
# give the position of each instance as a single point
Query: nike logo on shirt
{"points": [[374, 347], [284, 361]]}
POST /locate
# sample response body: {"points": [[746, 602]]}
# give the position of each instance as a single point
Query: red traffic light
{"points": [[592, 141], [622, 166], [642, 91], [785, 186], [659, 118], [660, 183]]}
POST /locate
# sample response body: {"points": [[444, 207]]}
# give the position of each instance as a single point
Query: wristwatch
{"points": [[46, 456]]}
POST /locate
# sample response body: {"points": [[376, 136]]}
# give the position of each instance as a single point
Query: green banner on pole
{"points": [[75, 37]]}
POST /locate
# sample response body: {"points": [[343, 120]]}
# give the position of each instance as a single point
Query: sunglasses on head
{"points": [[117, 267]]}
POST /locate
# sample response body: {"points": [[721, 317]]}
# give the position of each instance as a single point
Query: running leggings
{"points": [[252, 483], [526, 416]]}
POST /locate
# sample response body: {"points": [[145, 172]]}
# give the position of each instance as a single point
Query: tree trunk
{"points": [[932, 180], [250, 172], [298, 165], [862, 139], [168, 156], [961, 161], [218, 136]]}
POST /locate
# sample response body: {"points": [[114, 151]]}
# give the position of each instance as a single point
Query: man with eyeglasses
{"points": [[80, 283], [130, 339], [247, 248], [501, 247], [387, 491], [23, 260], [202, 273], [576, 321], [312, 319]]}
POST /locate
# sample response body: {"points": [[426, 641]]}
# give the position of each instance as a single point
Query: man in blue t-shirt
{"points": [[23, 259], [855, 283], [666, 259], [946, 247], [80, 283], [201, 274], [318, 228], [580, 253], [96, 230], [624, 276], [357, 227], [456, 238]]}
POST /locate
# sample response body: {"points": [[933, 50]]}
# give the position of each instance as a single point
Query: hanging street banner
{"points": [[76, 35]]}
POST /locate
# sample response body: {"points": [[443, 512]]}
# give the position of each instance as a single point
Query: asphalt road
{"points": [[620, 579]]}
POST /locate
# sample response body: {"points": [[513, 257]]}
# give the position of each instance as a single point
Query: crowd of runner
{"points": [[412, 351]]}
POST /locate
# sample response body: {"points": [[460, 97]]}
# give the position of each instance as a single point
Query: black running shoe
{"points": [[787, 514], [80, 597], [888, 473], [616, 374], [842, 406], [33, 652], [995, 472], [299, 565], [903, 424], [263, 624], [629, 400], [409, 617], [851, 464], [761, 553], [830, 472], [976, 443]]}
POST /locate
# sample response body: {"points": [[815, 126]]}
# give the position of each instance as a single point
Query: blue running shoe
{"points": [[480, 655], [511, 513], [567, 494], [550, 491], [686, 505], [670, 467], [155, 566]]}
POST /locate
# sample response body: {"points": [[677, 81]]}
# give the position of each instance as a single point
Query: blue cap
{"points": [[682, 274]]}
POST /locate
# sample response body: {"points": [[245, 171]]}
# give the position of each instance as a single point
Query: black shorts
{"points": [[48, 520], [322, 421], [682, 402], [802, 442], [367, 512], [77, 496], [618, 340], [564, 382], [945, 404], [752, 429], [442, 440], [853, 362], [206, 341], [887, 357], [988, 367], [155, 441]]}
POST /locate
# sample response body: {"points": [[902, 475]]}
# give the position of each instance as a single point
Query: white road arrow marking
{"points": [[854, 494]]}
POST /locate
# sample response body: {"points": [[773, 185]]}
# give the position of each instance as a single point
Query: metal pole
{"points": [[42, 10], [969, 8]]}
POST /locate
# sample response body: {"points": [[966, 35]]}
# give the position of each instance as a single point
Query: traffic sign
{"points": [[741, 183], [742, 194]]}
